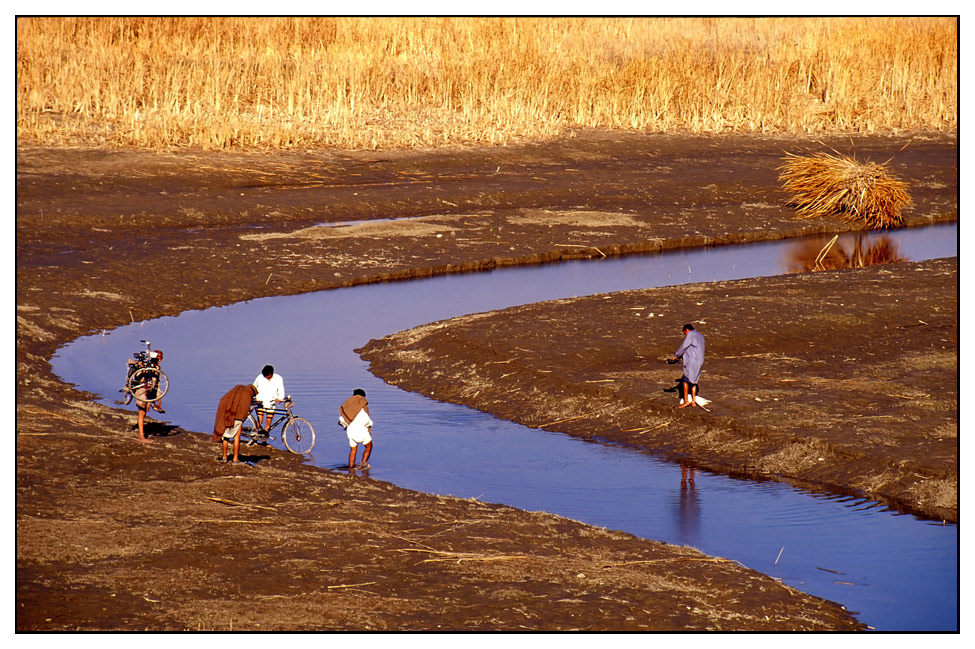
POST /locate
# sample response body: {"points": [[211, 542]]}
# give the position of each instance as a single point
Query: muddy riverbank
{"points": [[842, 381], [112, 534]]}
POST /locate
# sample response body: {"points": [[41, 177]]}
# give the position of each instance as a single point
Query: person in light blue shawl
{"points": [[692, 353]]}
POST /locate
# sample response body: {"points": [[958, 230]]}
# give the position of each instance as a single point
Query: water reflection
{"points": [[688, 508], [853, 251]]}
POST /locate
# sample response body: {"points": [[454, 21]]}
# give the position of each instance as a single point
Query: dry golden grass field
{"points": [[218, 83]]}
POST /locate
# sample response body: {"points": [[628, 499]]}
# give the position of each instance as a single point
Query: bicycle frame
{"points": [[297, 433], [259, 412]]}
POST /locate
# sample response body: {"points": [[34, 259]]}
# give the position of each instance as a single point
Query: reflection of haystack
{"points": [[882, 251], [813, 255], [823, 185]]}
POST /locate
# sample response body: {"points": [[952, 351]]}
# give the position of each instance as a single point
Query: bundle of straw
{"points": [[823, 185]]}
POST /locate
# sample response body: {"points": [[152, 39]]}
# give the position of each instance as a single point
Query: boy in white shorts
{"points": [[354, 418]]}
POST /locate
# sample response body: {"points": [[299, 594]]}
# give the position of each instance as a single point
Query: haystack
{"points": [[826, 185]]}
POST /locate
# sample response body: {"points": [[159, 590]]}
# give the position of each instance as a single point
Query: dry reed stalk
{"points": [[826, 185], [825, 251], [562, 421], [234, 503], [34, 411], [444, 555], [811, 255]]}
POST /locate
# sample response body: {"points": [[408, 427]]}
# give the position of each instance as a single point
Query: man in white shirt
{"points": [[270, 390]]}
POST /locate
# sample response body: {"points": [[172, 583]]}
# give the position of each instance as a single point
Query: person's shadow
{"points": [[253, 459], [362, 470], [358, 469], [154, 428], [676, 387]]}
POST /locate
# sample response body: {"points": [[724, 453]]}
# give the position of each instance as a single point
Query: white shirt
{"points": [[269, 389]]}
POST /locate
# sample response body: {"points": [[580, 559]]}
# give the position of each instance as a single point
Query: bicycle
{"points": [[297, 432], [144, 372]]}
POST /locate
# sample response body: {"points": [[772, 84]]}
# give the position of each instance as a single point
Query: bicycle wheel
{"points": [[248, 430], [153, 379], [299, 436]]}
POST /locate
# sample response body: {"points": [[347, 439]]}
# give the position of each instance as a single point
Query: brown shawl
{"points": [[233, 405], [352, 406]]}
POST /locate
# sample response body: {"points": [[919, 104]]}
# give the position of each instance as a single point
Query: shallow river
{"points": [[895, 571]]}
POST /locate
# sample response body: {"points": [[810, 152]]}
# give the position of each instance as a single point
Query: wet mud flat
{"points": [[112, 534]]}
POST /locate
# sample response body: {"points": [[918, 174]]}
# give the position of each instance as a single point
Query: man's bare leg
{"points": [[142, 427], [352, 457], [367, 452], [687, 400]]}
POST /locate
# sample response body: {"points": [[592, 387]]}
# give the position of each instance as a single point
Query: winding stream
{"points": [[895, 571]]}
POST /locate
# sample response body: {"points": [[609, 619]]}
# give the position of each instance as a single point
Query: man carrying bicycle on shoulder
{"points": [[147, 391], [270, 390]]}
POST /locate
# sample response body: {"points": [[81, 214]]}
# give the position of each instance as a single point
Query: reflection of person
{"points": [[270, 390], [688, 508], [692, 353], [147, 391], [231, 412], [354, 418]]}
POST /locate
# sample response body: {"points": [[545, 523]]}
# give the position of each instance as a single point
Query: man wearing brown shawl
{"points": [[354, 418], [231, 412]]}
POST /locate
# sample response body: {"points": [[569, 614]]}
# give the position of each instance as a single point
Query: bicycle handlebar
{"points": [[286, 402]]}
